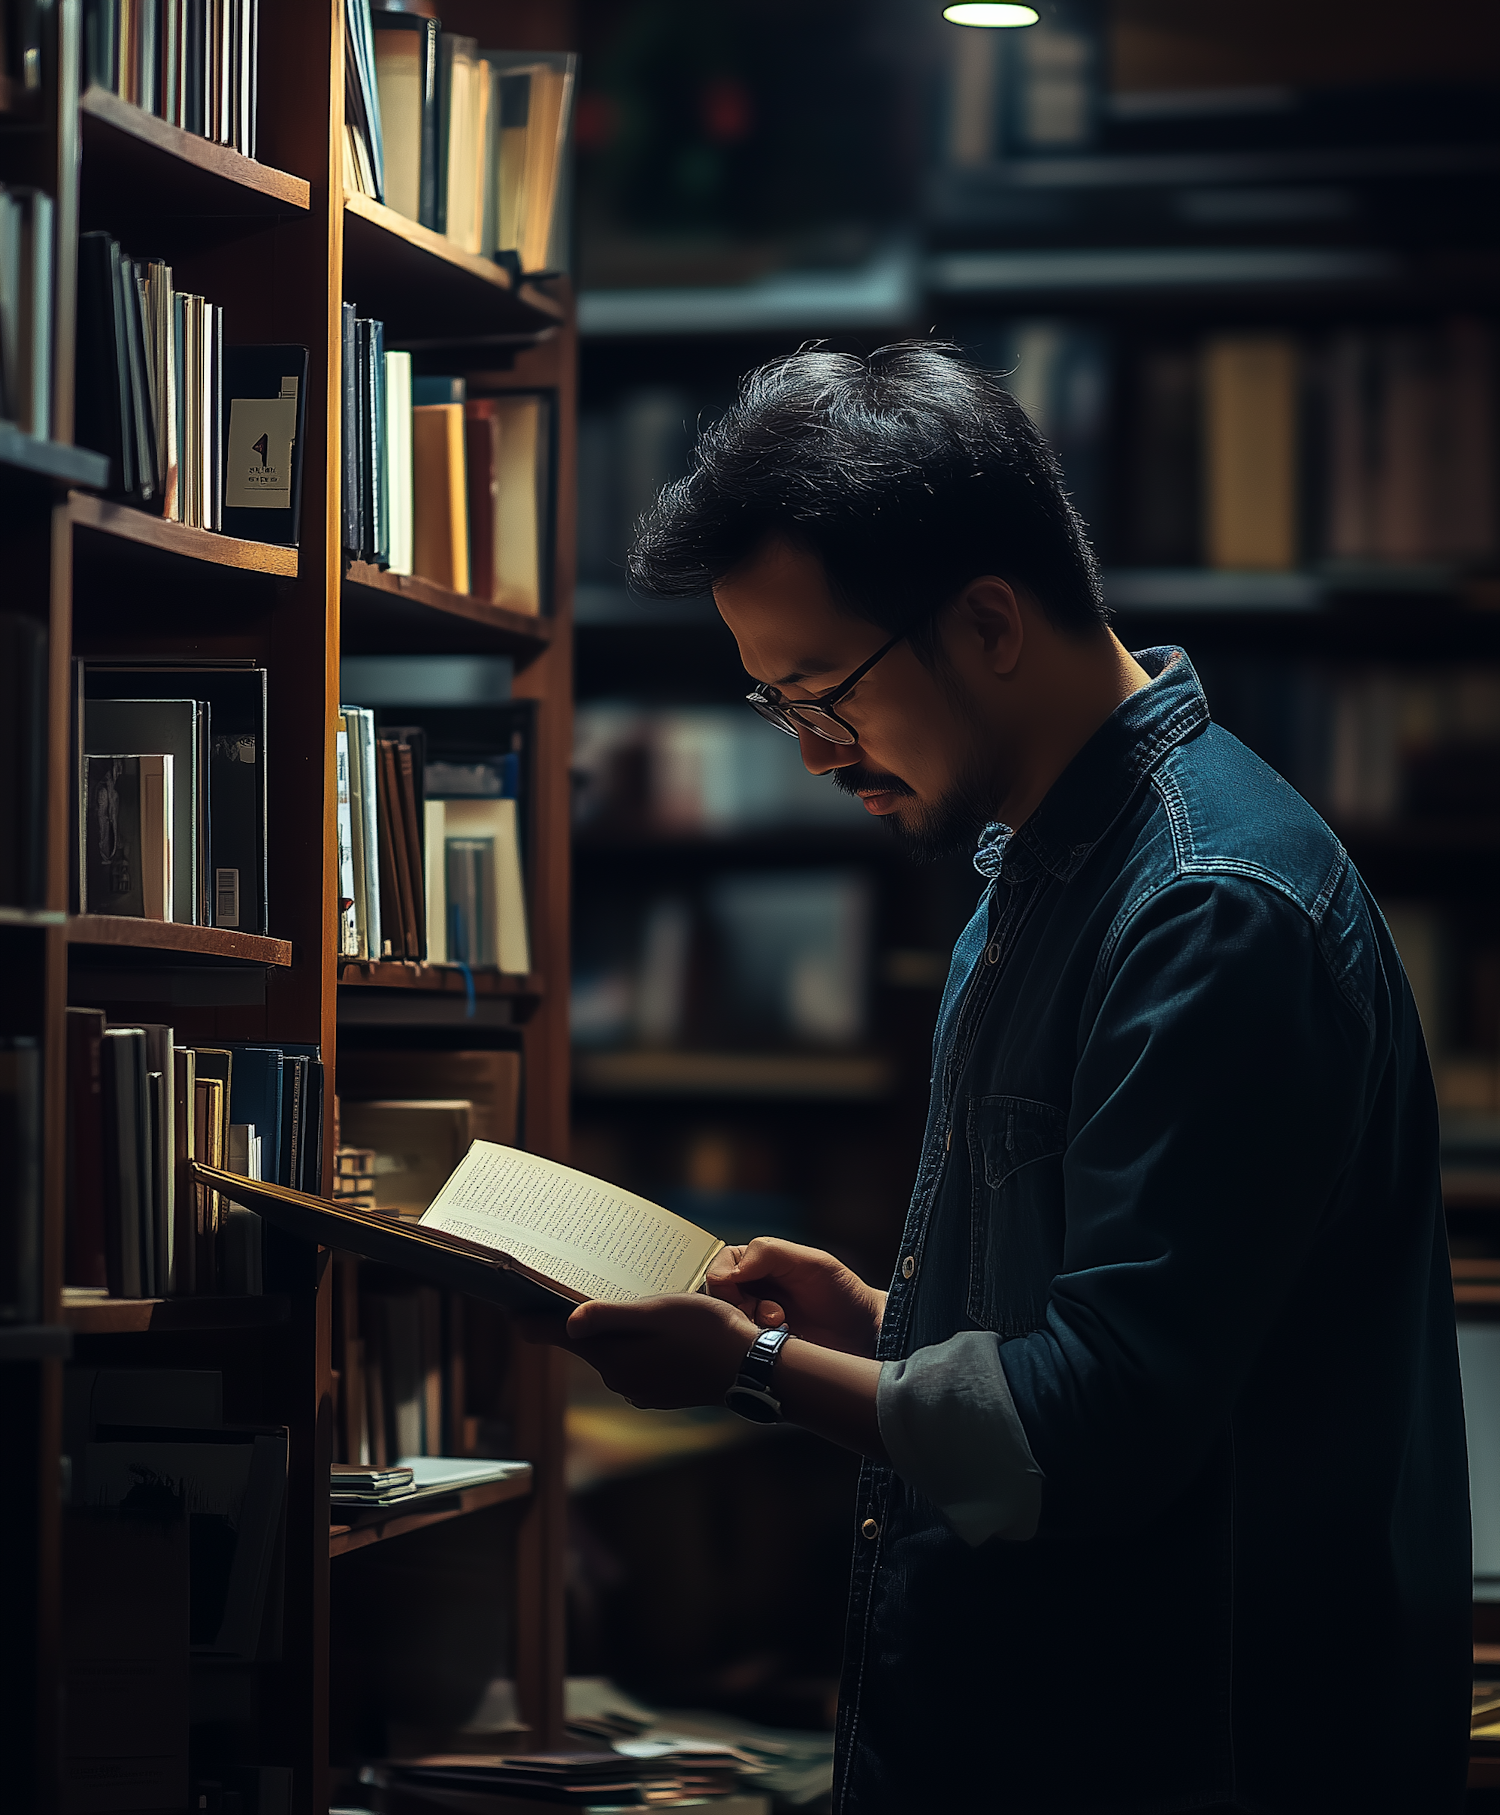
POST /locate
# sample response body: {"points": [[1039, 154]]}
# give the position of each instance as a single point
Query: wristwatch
{"points": [[751, 1394]]}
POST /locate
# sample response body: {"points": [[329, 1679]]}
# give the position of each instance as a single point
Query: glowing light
{"points": [[986, 12]]}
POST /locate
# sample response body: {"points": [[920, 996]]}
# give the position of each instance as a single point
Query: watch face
{"points": [[759, 1407]]}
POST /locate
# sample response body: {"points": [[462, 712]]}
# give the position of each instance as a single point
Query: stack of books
{"points": [[466, 141], [26, 280], [414, 1479], [662, 1775], [198, 432], [170, 785], [457, 490], [141, 1109], [429, 852], [191, 64]]}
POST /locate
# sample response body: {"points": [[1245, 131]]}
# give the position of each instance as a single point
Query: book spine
{"points": [[348, 919], [21, 1167]]}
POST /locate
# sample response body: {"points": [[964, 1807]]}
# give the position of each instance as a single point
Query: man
{"points": [[1165, 1500]]}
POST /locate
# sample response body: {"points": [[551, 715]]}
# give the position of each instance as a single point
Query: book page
{"points": [[587, 1236]]}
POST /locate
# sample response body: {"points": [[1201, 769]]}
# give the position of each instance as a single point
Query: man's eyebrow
{"points": [[811, 664]]}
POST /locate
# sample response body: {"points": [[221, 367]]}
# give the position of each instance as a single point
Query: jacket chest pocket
{"points": [[1016, 1211]]}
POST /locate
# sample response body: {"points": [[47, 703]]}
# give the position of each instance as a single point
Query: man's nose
{"points": [[819, 756]]}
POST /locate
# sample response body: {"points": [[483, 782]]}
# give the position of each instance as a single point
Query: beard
{"points": [[950, 826]]}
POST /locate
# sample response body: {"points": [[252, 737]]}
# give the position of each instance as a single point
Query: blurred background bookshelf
{"points": [[1242, 270]]}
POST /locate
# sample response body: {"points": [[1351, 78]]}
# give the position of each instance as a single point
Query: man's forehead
{"points": [[783, 616]]}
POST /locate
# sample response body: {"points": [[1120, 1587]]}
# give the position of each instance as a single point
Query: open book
{"points": [[508, 1226]]}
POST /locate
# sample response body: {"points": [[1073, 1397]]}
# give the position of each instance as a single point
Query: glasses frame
{"points": [[796, 716]]}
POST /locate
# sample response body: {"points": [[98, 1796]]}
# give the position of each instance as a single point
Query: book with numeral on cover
{"points": [[509, 1227]]}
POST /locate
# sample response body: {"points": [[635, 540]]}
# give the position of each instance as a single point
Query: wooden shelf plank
{"points": [[136, 526], [853, 1077], [131, 1316], [436, 979], [376, 1527], [52, 460], [165, 936], [416, 280], [392, 614], [128, 153]]}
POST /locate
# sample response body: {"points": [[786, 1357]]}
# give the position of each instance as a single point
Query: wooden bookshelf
{"points": [[131, 525], [136, 1316], [378, 1526], [132, 160], [385, 613], [438, 979], [278, 245], [426, 288], [220, 944]]}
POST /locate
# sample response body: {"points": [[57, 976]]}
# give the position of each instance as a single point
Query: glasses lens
{"points": [[773, 714], [822, 724]]}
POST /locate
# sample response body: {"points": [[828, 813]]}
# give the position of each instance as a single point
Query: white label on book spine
{"points": [[226, 897], [258, 472]]}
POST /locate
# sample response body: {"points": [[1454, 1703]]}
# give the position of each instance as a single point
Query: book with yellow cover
{"points": [[510, 1227]]}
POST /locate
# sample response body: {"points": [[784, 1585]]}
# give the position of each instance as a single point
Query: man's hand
{"points": [[775, 1282], [663, 1352]]}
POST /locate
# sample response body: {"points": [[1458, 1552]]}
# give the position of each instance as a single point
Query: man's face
{"points": [[921, 763]]}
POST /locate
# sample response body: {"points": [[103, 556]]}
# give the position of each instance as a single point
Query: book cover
{"points": [[406, 76], [113, 872], [168, 727], [265, 391], [440, 529], [231, 696]]}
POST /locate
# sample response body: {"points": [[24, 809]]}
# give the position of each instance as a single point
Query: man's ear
{"points": [[987, 608]]}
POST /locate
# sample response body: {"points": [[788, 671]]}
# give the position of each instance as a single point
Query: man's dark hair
{"points": [[907, 473]]}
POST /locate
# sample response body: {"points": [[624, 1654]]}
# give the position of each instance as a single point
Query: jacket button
{"points": [[992, 952], [908, 1267], [871, 1529]]}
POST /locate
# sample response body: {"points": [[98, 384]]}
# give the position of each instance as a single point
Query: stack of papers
{"points": [[414, 1478]]}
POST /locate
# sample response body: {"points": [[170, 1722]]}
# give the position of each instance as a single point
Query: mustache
{"points": [[857, 779]]}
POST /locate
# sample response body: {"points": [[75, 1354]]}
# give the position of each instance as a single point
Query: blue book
{"points": [[438, 390], [255, 1097]]}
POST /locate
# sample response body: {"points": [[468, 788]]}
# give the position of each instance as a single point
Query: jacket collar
{"points": [[1080, 805]]}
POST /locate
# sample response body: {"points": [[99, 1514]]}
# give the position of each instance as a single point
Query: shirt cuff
{"points": [[952, 1432]]}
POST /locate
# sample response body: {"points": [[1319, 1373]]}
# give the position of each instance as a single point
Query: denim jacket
{"points": [[1176, 1248]]}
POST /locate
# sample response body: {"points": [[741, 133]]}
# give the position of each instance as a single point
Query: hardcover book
{"points": [[509, 1227]]}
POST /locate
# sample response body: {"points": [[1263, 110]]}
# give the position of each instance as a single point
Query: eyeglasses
{"points": [[796, 716]]}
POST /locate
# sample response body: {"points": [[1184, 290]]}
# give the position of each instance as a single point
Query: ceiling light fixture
{"points": [[987, 13]]}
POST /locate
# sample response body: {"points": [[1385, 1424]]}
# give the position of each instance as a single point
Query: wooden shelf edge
{"points": [[435, 979], [425, 239], [527, 628], [439, 246], [380, 1526], [64, 465], [132, 525], [132, 1316], [171, 936], [190, 148]]}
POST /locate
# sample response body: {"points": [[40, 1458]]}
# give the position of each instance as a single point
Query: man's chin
{"points": [[928, 834]]}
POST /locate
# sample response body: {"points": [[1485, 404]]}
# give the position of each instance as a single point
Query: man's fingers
{"points": [[601, 1318], [768, 1314]]}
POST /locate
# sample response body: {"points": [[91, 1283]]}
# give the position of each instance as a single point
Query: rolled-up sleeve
{"points": [[951, 1430]]}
